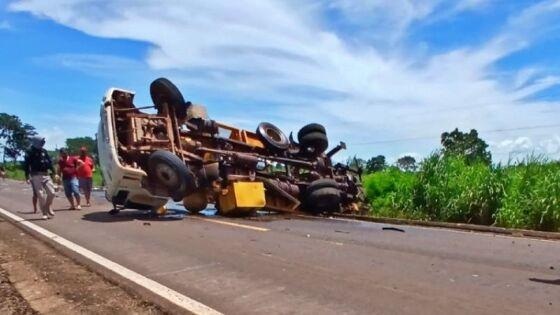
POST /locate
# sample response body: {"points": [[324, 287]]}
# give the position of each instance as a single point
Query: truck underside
{"points": [[192, 158]]}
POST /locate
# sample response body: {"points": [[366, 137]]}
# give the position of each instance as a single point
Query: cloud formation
{"points": [[363, 88]]}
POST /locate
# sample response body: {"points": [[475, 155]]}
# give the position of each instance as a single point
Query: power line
{"points": [[432, 137]]}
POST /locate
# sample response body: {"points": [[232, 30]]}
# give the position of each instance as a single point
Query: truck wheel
{"points": [[311, 128], [314, 143], [323, 200], [322, 183], [164, 91], [196, 202], [273, 137], [169, 171]]}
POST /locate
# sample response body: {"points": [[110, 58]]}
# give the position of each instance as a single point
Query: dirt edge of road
{"points": [[455, 226], [37, 277]]}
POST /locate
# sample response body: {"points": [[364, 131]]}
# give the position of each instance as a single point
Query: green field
{"points": [[15, 171], [521, 195]]}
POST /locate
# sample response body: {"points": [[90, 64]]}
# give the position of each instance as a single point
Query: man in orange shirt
{"points": [[84, 171]]}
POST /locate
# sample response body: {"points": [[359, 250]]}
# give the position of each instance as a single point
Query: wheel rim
{"points": [[166, 175], [274, 135]]}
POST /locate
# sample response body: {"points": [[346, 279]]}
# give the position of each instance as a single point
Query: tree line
{"points": [[15, 135], [454, 143]]}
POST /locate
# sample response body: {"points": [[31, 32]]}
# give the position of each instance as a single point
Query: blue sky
{"points": [[385, 76]]}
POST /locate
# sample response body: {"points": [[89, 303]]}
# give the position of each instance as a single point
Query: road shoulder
{"points": [[41, 279]]}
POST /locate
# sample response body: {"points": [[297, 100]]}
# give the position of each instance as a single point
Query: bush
{"points": [[452, 188], [532, 196], [449, 188], [390, 193]]}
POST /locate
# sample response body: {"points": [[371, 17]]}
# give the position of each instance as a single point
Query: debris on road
{"points": [[340, 231], [390, 228]]}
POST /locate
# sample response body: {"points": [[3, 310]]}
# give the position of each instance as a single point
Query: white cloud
{"points": [[551, 146], [282, 52], [521, 147], [384, 20], [54, 136], [468, 5]]}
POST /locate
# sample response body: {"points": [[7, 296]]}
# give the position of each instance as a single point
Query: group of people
{"points": [[76, 173]]}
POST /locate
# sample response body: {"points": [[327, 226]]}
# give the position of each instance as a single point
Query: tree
{"points": [[407, 163], [465, 144], [14, 135], [74, 144], [356, 163], [376, 164]]}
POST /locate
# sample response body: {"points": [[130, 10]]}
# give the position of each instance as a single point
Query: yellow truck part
{"points": [[242, 197]]}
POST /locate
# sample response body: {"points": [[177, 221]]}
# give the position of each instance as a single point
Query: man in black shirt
{"points": [[37, 165]]}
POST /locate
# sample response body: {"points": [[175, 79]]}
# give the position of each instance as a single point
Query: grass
{"points": [[532, 196], [97, 177], [452, 189], [15, 171]]}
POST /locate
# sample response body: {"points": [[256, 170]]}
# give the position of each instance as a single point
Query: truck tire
{"points": [[196, 202], [314, 127], [322, 183], [273, 137], [314, 143], [323, 200], [170, 172], [164, 91]]}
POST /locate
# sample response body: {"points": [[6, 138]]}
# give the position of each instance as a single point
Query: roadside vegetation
{"points": [[14, 141], [459, 184]]}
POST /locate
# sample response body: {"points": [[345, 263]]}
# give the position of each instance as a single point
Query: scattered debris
{"points": [[146, 224], [339, 231], [390, 228]]}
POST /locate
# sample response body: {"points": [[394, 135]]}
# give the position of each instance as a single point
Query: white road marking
{"points": [[250, 227], [172, 296]]}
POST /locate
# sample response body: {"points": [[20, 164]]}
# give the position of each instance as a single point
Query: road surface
{"points": [[315, 266]]}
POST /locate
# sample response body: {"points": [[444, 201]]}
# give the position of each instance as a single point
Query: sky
{"points": [[385, 76]]}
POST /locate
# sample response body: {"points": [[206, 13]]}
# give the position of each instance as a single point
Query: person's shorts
{"points": [[71, 187], [34, 190], [86, 184]]}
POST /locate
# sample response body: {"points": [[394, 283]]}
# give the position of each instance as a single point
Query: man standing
{"points": [[67, 169], [36, 165], [85, 174]]}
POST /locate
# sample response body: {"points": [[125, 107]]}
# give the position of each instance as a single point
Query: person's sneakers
{"points": [[88, 205], [45, 217], [78, 207], [50, 212]]}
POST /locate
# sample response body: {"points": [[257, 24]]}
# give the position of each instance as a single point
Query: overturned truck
{"points": [[179, 153]]}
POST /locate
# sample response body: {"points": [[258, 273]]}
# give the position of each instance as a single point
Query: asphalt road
{"points": [[315, 266]]}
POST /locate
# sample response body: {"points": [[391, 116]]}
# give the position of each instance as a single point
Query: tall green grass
{"points": [[520, 195], [532, 195]]}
